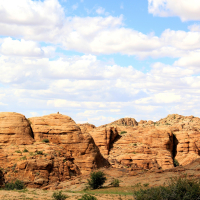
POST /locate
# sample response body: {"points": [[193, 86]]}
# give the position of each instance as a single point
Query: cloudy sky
{"points": [[98, 61]]}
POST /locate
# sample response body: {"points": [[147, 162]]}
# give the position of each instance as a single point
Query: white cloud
{"points": [[96, 35], [75, 6], [21, 48], [167, 97], [100, 11], [75, 85], [122, 6], [194, 28], [31, 13], [186, 10]]}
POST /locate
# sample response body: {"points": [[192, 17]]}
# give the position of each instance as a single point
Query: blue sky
{"points": [[100, 61]]}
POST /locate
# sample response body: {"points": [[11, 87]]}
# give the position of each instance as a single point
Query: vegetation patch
{"points": [[59, 196], [97, 179], [123, 132], [45, 140], [115, 183], [87, 197], [25, 150], [18, 185], [176, 163], [178, 189]]}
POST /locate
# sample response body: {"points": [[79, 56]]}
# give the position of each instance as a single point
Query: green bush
{"points": [[45, 140], [178, 189], [97, 179], [87, 197], [59, 196], [18, 185], [176, 163], [39, 152], [25, 150], [115, 183], [122, 132]]}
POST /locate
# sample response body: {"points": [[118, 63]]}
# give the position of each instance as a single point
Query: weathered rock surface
{"points": [[74, 149], [125, 122], [104, 137], [62, 130], [148, 144], [186, 130], [65, 153], [86, 127], [14, 129], [143, 148]]}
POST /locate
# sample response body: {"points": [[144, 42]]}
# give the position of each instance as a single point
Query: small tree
{"points": [[97, 179]]}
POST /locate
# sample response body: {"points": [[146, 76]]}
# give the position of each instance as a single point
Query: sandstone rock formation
{"points": [[186, 130], [14, 129], [125, 122], [62, 130], [65, 152], [44, 150], [143, 148], [104, 137], [148, 144], [86, 127]]}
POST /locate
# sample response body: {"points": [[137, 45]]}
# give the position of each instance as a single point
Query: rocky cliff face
{"points": [[14, 129], [148, 144], [62, 130], [43, 150]]}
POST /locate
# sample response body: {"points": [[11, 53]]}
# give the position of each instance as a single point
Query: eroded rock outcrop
{"points": [[104, 137], [86, 127], [62, 130], [125, 122], [52, 149], [14, 129], [143, 148]]}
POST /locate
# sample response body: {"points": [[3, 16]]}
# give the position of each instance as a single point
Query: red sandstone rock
{"points": [[14, 129], [104, 137], [86, 127], [61, 129]]}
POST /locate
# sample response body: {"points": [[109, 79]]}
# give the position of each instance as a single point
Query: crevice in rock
{"points": [[174, 150], [115, 140]]}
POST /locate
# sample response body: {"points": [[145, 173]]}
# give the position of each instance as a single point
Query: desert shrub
{"points": [[39, 152], [59, 196], [178, 189], [87, 197], [23, 158], [97, 179], [18, 151], [122, 132], [176, 163], [115, 183], [18, 185], [25, 150], [45, 140]]}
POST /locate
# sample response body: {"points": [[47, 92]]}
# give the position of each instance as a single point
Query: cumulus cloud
{"points": [[95, 35], [194, 28], [186, 10], [31, 13], [74, 85], [100, 11]]}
